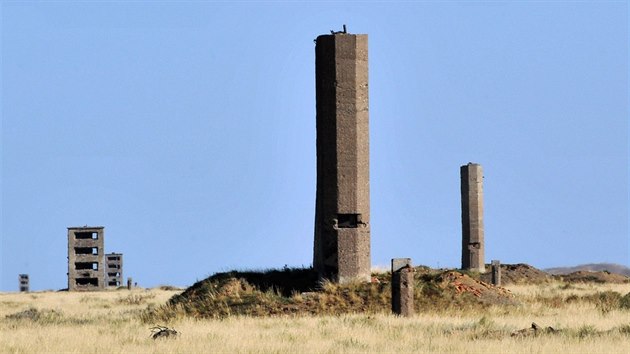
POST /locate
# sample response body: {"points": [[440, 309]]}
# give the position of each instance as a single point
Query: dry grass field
{"points": [[588, 319]]}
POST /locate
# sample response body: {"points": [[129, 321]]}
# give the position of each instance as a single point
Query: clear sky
{"points": [[187, 129]]}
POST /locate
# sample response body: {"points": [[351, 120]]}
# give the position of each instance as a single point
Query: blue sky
{"points": [[187, 129]]}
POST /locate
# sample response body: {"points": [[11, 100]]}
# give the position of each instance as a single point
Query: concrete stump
{"points": [[402, 287], [496, 273]]}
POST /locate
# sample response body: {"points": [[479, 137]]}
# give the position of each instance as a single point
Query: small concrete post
{"points": [[129, 282], [23, 282], [402, 287], [496, 272]]}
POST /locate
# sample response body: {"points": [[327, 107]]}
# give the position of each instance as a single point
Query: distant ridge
{"points": [[591, 267]]}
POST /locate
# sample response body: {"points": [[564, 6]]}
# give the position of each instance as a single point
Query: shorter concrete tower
{"points": [[114, 269], [85, 258], [472, 217]]}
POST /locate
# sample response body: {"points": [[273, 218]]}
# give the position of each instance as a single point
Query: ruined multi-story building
{"points": [[114, 269], [85, 258], [342, 212], [23, 282], [472, 217]]}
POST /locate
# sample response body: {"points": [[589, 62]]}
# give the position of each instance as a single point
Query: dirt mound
{"points": [[296, 291], [286, 282], [584, 276], [221, 296], [520, 273], [486, 293], [525, 274]]}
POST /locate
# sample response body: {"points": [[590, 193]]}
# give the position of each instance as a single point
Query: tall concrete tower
{"points": [[472, 217], [342, 210]]}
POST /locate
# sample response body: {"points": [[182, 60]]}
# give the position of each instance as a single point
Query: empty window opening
{"points": [[86, 265], [474, 245], [86, 235], [114, 283], [86, 250], [110, 258], [348, 220], [87, 281]]}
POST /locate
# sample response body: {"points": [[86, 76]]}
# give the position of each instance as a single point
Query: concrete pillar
{"points": [[496, 272], [342, 208], [402, 287], [472, 217], [129, 283]]}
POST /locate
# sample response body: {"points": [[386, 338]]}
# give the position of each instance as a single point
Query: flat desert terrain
{"points": [[586, 318]]}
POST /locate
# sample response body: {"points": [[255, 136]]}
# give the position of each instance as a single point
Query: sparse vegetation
{"points": [[135, 299], [355, 318], [296, 291]]}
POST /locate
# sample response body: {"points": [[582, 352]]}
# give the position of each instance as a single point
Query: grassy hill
{"points": [[298, 292]]}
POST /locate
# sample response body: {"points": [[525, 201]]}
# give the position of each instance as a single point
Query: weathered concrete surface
{"points": [[85, 258], [400, 263], [402, 287], [114, 269], [496, 272], [472, 217], [342, 212]]}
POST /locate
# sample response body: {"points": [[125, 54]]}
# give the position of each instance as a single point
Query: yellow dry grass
{"points": [[108, 322]]}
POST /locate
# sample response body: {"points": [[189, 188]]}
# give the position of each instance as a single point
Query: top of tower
{"points": [[343, 31], [338, 34], [85, 227]]}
